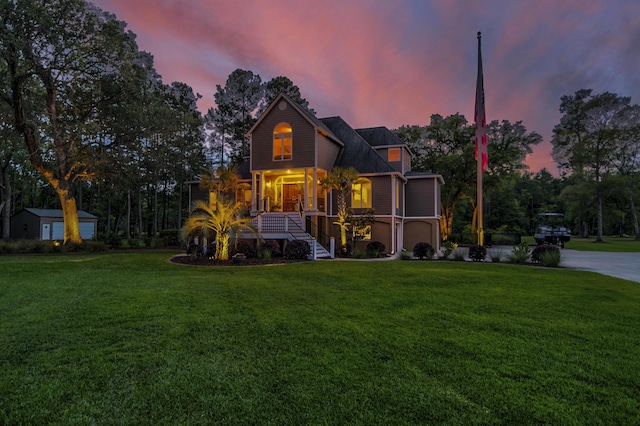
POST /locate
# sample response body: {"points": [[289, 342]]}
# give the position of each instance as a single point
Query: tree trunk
{"points": [[222, 246], [5, 202], [600, 236], [634, 212], [155, 211], [69, 211], [79, 198], [446, 224], [128, 232], [139, 228], [108, 230], [179, 221]]}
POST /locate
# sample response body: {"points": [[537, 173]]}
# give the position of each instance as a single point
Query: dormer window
{"points": [[282, 142], [393, 154]]}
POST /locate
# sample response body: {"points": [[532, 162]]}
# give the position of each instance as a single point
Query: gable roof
{"points": [[310, 117], [356, 152], [57, 213]]}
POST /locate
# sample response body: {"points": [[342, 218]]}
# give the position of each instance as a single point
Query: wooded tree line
{"points": [[87, 123], [596, 146], [86, 111]]}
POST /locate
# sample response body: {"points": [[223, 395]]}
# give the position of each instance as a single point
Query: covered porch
{"points": [[291, 190]]}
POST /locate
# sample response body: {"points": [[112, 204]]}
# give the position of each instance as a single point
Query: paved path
{"points": [[620, 265]]}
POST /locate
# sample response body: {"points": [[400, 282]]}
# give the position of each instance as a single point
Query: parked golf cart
{"points": [[552, 230]]}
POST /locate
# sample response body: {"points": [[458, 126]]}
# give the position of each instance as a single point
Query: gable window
{"points": [[361, 194], [393, 154], [282, 142]]}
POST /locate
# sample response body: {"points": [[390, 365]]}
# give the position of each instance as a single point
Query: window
{"points": [[362, 232], [361, 194], [282, 142], [397, 194], [393, 154]]}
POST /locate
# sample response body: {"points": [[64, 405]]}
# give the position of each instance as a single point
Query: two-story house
{"points": [[292, 150]]}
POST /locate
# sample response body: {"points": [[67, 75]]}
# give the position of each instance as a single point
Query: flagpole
{"points": [[480, 142]]}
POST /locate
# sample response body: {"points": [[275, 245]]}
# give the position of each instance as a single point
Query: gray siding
{"points": [[381, 194], [421, 200], [303, 145], [328, 151], [25, 225], [197, 193]]}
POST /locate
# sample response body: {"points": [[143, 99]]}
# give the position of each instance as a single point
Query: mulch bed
{"points": [[203, 261]]}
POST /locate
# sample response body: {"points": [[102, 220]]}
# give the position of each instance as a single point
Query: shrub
{"points": [[551, 258], [449, 248], [375, 249], [171, 237], [458, 255], [148, 241], [519, 254], [265, 253], [77, 248], [6, 247], [423, 251], [244, 246], [496, 256], [345, 250], [272, 246], [297, 249], [133, 243], [30, 247], [552, 253], [93, 246], [114, 241], [477, 253], [359, 253]]}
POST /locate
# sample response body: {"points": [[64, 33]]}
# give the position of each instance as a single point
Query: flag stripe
{"points": [[480, 115]]}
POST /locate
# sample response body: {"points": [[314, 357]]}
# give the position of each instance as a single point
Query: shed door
{"points": [[46, 231]]}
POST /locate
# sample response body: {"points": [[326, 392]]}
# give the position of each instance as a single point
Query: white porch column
{"points": [[305, 203], [394, 229], [314, 189], [254, 198]]}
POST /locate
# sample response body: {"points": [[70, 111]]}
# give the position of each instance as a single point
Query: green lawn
{"points": [[131, 339], [610, 244]]}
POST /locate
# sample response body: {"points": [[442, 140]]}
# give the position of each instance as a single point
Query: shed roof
{"points": [[57, 213]]}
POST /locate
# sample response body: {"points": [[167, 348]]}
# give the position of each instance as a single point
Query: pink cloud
{"points": [[376, 62]]}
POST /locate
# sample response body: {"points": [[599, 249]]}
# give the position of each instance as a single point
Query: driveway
{"points": [[619, 265]]}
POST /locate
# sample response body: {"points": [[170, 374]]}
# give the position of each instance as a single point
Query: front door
{"points": [[290, 194]]}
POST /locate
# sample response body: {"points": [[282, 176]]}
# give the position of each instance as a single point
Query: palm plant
{"points": [[219, 219], [341, 179], [224, 181]]}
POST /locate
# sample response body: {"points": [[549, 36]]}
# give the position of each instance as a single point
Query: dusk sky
{"points": [[389, 63]]}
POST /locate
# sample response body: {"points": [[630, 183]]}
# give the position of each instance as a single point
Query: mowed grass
{"points": [[610, 244], [131, 339]]}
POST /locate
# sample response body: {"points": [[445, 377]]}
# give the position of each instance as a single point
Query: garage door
{"points": [[57, 231], [87, 230]]}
